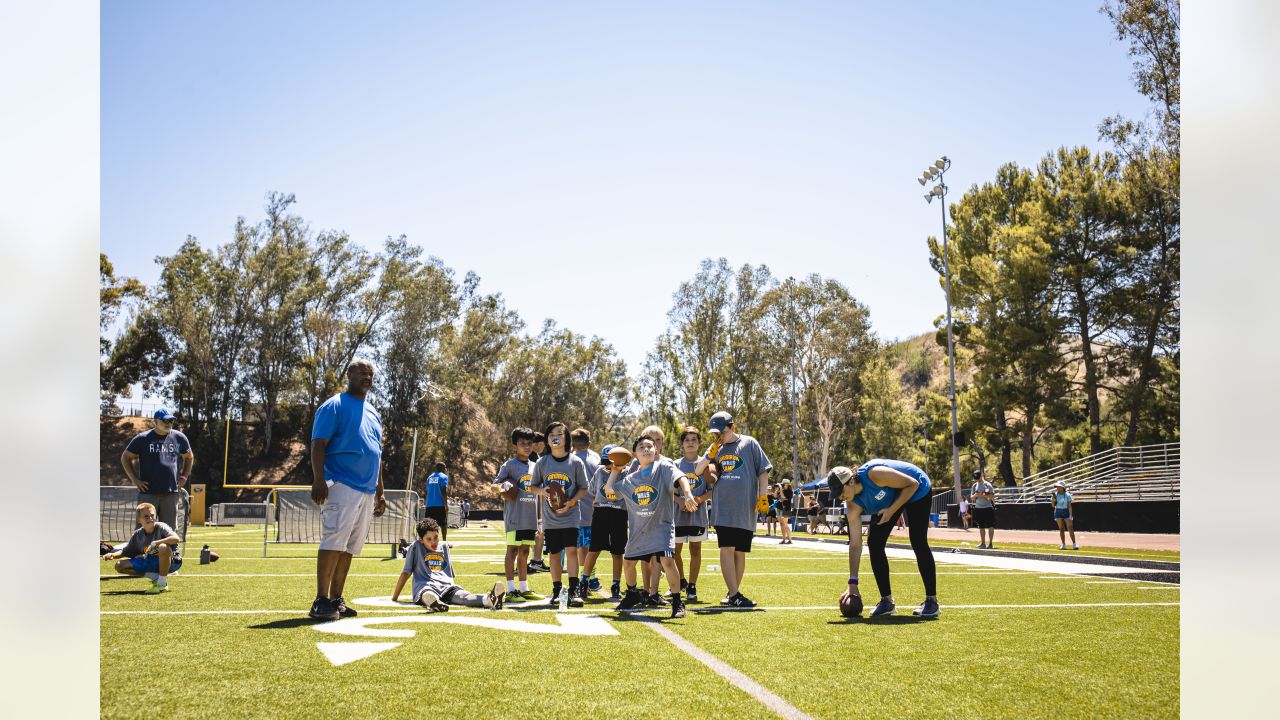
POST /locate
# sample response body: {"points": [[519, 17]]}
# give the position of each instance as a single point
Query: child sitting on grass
{"points": [[152, 551], [427, 561]]}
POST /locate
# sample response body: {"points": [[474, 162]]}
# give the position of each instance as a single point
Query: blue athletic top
{"points": [[354, 431], [436, 482], [1061, 501], [874, 498]]}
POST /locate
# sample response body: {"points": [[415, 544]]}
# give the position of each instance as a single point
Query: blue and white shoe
{"points": [[883, 608], [927, 609]]}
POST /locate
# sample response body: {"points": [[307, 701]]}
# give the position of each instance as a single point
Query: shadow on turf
{"points": [[124, 592], [286, 624]]}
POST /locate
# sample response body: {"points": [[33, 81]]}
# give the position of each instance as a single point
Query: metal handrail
{"points": [[1143, 472]]}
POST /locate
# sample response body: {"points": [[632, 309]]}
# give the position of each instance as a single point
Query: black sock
{"points": [[573, 584], [555, 588], [675, 597]]}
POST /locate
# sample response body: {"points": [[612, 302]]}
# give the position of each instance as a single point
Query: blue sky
{"points": [[632, 139]]}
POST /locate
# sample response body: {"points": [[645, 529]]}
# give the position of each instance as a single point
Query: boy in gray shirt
{"points": [[560, 479], [152, 551], [691, 527], [519, 514], [608, 524], [428, 563], [649, 493]]}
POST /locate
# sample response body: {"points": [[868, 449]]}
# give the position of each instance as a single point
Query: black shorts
{"points": [[689, 531], [737, 538], [984, 517], [773, 513], [556, 539], [649, 556], [609, 530]]}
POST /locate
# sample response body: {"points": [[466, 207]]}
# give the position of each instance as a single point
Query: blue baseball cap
{"points": [[164, 414], [604, 454], [720, 421]]}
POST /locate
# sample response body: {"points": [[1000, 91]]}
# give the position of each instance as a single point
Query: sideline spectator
{"points": [[814, 509], [1062, 514], [438, 499], [152, 551], [466, 511], [984, 510], [785, 510], [152, 460], [964, 513], [771, 515]]}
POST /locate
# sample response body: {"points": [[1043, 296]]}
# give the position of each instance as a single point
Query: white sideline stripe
{"points": [[762, 694], [1062, 577], [1110, 582], [797, 608]]}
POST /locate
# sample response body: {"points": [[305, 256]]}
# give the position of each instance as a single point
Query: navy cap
{"points": [[163, 414], [837, 479], [720, 421], [604, 454]]}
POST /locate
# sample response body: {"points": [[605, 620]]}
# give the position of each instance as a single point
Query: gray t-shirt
{"points": [[741, 463], [140, 539], [600, 496], [570, 473], [982, 486], [522, 512], [586, 506], [651, 508], [430, 568], [698, 487]]}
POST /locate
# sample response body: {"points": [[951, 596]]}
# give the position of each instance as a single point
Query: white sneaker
{"points": [[1075, 547], [1062, 547]]}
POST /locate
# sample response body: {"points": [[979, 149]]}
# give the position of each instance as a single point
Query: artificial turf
{"points": [[1025, 661]]}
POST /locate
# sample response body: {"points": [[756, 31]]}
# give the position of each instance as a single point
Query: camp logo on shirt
{"points": [[610, 495], [729, 462], [644, 494], [560, 479], [435, 561], [524, 482], [694, 481]]}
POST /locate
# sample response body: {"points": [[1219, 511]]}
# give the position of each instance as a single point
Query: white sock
{"points": [[161, 581], [524, 586], [153, 576], [511, 586]]}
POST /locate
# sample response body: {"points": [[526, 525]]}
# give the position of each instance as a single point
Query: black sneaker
{"points": [[677, 608], [883, 608], [615, 592], [684, 585], [323, 609], [575, 599], [497, 594], [538, 566], [740, 601], [583, 591], [693, 593], [341, 606], [631, 600], [656, 600]]}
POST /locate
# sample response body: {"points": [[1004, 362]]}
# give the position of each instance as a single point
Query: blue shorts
{"points": [[1061, 514], [151, 563], [584, 537]]}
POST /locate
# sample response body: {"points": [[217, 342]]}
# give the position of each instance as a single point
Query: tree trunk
{"points": [[1005, 467]]}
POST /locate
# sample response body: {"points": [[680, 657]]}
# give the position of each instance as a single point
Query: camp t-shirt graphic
{"points": [[643, 495], [697, 488]]}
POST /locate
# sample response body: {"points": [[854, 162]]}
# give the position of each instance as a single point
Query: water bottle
{"points": [[204, 555]]}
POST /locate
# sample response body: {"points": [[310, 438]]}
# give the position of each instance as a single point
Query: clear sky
{"points": [[634, 138]]}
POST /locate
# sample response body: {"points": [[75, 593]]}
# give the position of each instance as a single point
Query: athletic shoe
{"points": [[981, 546], [575, 601], [512, 596], [677, 608], [156, 588], [341, 606], [593, 583], [438, 606], [615, 592], [538, 566], [684, 585], [741, 601], [323, 609], [497, 594], [1075, 547], [431, 602], [990, 546], [693, 593], [725, 600], [883, 608], [631, 600], [531, 595], [1062, 547], [656, 600], [927, 609]]}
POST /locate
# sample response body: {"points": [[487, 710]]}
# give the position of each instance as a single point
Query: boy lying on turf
{"points": [[151, 551], [432, 570]]}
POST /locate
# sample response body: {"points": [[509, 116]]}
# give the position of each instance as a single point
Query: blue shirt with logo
{"points": [[874, 498], [158, 458], [436, 483], [354, 433]]}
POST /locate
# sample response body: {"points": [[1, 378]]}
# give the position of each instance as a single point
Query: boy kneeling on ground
{"points": [[152, 551], [432, 570]]}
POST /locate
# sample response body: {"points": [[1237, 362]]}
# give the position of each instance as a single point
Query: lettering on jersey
{"points": [[525, 480], [694, 481], [560, 479], [610, 495], [880, 495], [729, 462], [435, 561], [644, 494]]}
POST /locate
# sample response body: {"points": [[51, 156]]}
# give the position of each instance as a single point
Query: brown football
{"points": [[509, 494], [620, 457], [555, 496]]}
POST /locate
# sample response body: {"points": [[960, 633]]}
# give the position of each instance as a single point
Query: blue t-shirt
{"points": [[158, 458], [874, 498], [436, 482], [354, 431], [1061, 501]]}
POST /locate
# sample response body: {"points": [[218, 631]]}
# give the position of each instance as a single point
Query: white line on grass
{"points": [[762, 694]]}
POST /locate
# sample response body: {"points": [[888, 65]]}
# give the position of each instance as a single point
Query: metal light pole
{"points": [[936, 170]]}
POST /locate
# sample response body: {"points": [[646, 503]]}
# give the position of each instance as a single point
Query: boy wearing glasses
{"points": [[151, 552]]}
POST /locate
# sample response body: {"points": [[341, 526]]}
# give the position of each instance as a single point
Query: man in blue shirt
{"points": [[346, 471], [438, 498], [158, 463]]}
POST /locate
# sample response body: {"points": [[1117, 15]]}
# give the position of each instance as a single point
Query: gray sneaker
{"points": [[927, 609], [883, 608]]}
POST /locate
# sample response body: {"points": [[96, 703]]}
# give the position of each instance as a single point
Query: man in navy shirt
{"points": [[158, 463], [346, 471], [438, 499]]}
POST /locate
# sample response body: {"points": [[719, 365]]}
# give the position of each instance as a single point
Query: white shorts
{"points": [[344, 519], [681, 539]]}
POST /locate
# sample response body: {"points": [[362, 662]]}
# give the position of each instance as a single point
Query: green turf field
{"points": [[233, 640]]}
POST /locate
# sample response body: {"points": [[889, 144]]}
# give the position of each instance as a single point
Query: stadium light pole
{"points": [[936, 170]]}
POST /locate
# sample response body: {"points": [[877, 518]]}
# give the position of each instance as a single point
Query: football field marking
{"points": [[762, 694]]}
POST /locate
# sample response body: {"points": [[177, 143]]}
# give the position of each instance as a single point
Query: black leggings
{"points": [[918, 526]]}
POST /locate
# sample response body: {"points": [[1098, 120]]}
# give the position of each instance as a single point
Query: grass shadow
{"points": [[718, 610], [888, 620], [124, 592], [286, 624]]}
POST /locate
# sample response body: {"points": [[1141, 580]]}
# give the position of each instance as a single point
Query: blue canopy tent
{"points": [[815, 485]]}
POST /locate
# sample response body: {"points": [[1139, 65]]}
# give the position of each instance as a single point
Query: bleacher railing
{"points": [[1144, 472]]}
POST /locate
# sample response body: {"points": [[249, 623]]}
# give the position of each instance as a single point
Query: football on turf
{"points": [[620, 457], [555, 496], [850, 605], [508, 491]]}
